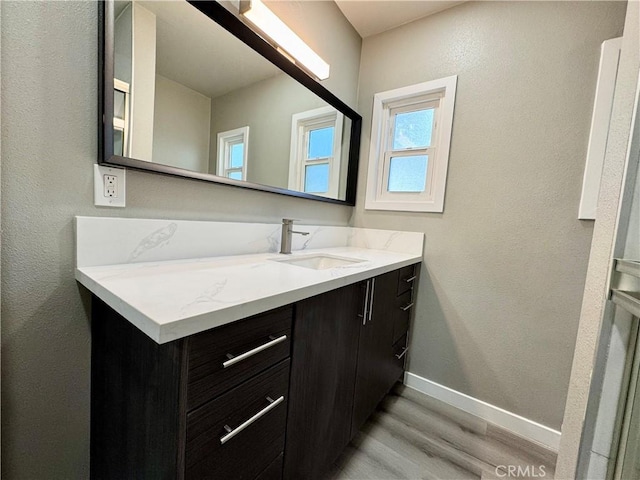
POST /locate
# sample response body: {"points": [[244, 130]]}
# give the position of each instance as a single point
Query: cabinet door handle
{"points": [[404, 352], [366, 304], [232, 432], [233, 359], [406, 307], [373, 287], [410, 279]]}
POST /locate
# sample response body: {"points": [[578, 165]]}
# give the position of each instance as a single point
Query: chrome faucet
{"points": [[287, 231]]}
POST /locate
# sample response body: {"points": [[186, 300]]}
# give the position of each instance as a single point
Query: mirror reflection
{"points": [[189, 94]]}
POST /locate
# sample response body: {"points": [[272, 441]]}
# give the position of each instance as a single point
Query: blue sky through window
{"points": [[237, 155], [316, 178], [320, 143], [413, 129], [408, 174]]}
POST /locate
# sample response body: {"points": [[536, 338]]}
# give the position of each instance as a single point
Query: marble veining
{"points": [[159, 238], [269, 243], [175, 278], [209, 295]]}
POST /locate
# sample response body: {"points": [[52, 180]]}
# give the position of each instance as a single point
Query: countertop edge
{"points": [[135, 317], [164, 333]]}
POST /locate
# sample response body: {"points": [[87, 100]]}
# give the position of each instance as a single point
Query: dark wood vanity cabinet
{"points": [[323, 368], [349, 350], [276, 395], [383, 332], [209, 406], [251, 451], [374, 348]]}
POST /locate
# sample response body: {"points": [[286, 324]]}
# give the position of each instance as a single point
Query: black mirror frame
{"points": [[236, 27]]}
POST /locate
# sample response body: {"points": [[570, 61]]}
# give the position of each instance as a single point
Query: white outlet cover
{"points": [[99, 197]]}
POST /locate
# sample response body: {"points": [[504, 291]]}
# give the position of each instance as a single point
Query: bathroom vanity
{"points": [[212, 355], [221, 393]]}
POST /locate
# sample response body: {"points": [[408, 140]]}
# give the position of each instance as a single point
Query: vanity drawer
{"points": [[221, 358], [402, 314], [239, 434], [406, 279]]}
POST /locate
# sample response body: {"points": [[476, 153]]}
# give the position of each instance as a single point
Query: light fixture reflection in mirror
{"points": [[192, 99], [275, 29]]}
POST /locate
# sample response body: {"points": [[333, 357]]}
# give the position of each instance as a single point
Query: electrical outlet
{"points": [[109, 186]]}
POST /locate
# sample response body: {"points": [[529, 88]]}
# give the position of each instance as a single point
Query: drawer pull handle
{"points": [[410, 279], [404, 352], [232, 432], [406, 307], [373, 288], [233, 359], [366, 304]]}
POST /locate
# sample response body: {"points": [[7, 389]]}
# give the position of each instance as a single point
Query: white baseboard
{"points": [[509, 421]]}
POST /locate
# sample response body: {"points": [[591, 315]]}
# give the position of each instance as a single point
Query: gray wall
{"points": [[324, 28], [501, 290], [504, 265], [597, 321], [266, 107], [181, 119], [270, 103], [49, 124]]}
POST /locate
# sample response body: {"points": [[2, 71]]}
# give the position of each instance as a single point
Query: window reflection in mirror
{"points": [[316, 163], [187, 93]]}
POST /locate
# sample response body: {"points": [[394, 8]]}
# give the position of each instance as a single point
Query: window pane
{"points": [[408, 174], [413, 129], [320, 143], [316, 178], [118, 142], [237, 155], [235, 175], [118, 104]]}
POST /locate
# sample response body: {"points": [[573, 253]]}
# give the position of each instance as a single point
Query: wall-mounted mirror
{"points": [[189, 89]]}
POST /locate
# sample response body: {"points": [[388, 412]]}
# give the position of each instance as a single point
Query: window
{"points": [[120, 117], [409, 151], [316, 142], [232, 153]]}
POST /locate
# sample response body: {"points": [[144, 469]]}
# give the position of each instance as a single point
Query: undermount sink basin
{"points": [[320, 261]]}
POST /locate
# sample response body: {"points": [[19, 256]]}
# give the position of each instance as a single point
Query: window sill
{"points": [[428, 207]]}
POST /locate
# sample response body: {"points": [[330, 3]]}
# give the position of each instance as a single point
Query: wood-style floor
{"points": [[413, 436]]}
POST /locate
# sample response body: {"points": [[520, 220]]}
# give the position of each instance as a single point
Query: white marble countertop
{"points": [[174, 278], [168, 300]]}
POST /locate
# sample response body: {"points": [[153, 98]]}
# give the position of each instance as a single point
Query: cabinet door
{"points": [[323, 364], [135, 400], [375, 352]]}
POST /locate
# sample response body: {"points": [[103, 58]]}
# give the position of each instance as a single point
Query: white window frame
{"points": [[301, 124], [225, 141], [122, 124], [437, 93]]}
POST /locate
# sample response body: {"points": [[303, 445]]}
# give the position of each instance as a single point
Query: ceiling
{"points": [[371, 17], [182, 28], [196, 52]]}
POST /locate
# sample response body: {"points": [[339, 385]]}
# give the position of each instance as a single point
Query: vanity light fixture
{"points": [[285, 39]]}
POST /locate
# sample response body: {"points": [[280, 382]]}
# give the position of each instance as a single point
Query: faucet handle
{"points": [[289, 221]]}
